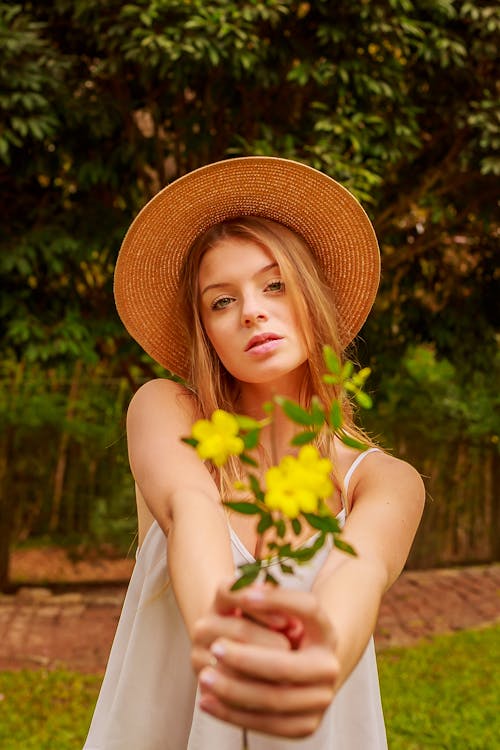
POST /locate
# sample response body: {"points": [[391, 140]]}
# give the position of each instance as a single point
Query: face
{"points": [[247, 314]]}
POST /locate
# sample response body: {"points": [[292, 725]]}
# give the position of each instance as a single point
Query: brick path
{"points": [[41, 629]]}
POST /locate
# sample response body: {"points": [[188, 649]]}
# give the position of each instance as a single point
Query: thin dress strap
{"points": [[352, 468]]}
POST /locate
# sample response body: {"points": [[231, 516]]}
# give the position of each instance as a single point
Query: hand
{"points": [[227, 621], [279, 691]]}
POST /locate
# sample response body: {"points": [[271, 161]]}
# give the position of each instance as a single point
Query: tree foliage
{"points": [[104, 102]]}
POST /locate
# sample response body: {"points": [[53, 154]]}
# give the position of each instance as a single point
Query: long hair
{"points": [[312, 301]]}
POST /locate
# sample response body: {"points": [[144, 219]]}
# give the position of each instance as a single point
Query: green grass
{"points": [[443, 694], [46, 710]]}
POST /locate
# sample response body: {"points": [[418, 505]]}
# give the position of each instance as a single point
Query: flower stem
{"points": [[245, 740]]}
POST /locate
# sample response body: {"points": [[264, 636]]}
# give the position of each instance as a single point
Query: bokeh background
{"points": [[104, 102]]}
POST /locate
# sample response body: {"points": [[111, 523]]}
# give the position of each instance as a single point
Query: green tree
{"points": [[103, 102]]}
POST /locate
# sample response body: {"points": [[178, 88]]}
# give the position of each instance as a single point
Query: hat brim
{"points": [[315, 206]]}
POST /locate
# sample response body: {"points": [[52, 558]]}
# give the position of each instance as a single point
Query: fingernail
{"points": [[278, 622], [207, 703], [254, 595], [218, 650], [207, 676]]}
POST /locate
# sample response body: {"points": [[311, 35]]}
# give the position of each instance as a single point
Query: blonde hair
{"points": [[314, 306]]}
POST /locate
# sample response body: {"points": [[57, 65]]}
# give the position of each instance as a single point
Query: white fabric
{"points": [[148, 697]]}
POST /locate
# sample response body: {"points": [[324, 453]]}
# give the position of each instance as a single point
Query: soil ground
{"points": [[63, 611]]}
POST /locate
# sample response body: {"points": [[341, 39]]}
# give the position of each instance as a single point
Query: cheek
{"points": [[215, 333], [297, 320]]}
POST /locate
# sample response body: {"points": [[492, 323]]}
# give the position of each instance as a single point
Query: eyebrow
{"points": [[224, 284]]}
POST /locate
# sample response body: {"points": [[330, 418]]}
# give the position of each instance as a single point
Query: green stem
{"points": [[274, 443], [274, 457]]}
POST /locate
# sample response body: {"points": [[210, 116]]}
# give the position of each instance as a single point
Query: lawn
{"points": [[443, 694]]}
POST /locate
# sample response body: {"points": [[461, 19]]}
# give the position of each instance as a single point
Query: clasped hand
{"points": [[265, 657]]}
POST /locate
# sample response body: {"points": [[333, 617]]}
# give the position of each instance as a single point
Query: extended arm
{"points": [[180, 494], [290, 690], [387, 505]]}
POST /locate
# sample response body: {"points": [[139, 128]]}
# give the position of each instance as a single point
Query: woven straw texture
{"points": [[319, 209]]}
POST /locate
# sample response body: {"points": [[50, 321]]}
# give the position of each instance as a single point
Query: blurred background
{"points": [[104, 102]]}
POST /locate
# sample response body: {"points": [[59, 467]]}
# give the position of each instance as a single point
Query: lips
{"points": [[261, 338]]}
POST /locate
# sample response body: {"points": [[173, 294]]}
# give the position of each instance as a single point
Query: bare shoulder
{"points": [[162, 396], [380, 471], [381, 463]]}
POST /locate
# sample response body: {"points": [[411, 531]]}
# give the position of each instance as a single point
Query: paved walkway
{"points": [[41, 629]]}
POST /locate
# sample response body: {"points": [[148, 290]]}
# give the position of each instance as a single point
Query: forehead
{"points": [[234, 255]]}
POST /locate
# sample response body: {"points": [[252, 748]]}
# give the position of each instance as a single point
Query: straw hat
{"points": [[324, 213]]}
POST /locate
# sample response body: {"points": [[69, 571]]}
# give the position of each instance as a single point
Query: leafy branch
{"points": [[297, 489]]}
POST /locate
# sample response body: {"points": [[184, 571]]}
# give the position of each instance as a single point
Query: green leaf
{"points": [[363, 375], [280, 528], [351, 442], [332, 362], [336, 418], [286, 568], [265, 523], [364, 400], [323, 523], [247, 423], [303, 438], [271, 579], [295, 412], [340, 544], [296, 526], [246, 579], [331, 379], [248, 509], [317, 411], [347, 370], [251, 439], [303, 554], [190, 441], [285, 550], [248, 460], [255, 487]]}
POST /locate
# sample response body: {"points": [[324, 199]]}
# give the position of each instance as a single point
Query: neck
{"points": [[275, 438], [253, 396]]}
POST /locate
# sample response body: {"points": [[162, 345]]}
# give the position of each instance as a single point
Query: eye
{"points": [[221, 302], [278, 285]]}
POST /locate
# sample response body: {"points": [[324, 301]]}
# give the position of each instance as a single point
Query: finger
{"points": [[263, 697], [225, 605], [202, 657], [294, 631], [282, 725], [237, 629], [242, 629], [262, 600], [314, 664]]}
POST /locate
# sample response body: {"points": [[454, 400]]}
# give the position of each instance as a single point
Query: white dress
{"points": [[148, 699]]}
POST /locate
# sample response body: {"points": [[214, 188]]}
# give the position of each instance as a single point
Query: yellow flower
{"points": [[218, 438], [297, 484]]}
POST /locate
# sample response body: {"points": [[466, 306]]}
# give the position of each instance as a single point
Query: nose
{"points": [[252, 312]]}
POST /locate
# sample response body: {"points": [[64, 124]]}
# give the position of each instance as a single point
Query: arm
{"points": [[180, 494], [387, 504], [290, 690]]}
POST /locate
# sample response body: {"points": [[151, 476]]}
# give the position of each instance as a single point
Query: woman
{"points": [[234, 277]]}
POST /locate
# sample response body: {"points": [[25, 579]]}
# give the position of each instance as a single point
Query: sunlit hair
{"points": [[312, 301]]}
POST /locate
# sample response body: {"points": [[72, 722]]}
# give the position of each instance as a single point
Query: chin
{"points": [[277, 376]]}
